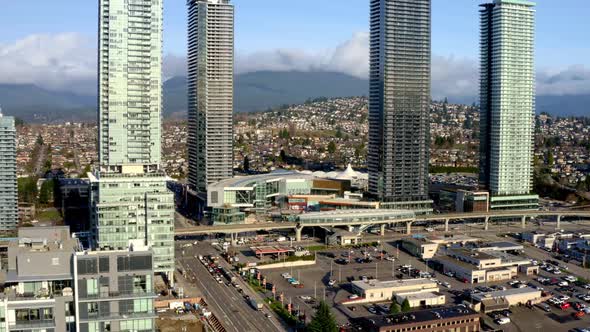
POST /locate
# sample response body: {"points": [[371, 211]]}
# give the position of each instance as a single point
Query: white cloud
{"points": [[60, 61], [67, 61], [573, 80]]}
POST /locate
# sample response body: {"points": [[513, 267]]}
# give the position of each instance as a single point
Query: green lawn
{"points": [[49, 215]]}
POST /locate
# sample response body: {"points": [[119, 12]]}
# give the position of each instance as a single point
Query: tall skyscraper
{"points": [[507, 93], [8, 185], [130, 203], [210, 91], [399, 103]]}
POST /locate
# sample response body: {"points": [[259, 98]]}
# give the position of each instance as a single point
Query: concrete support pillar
{"points": [[486, 224], [350, 228], [382, 229], [523, 222], [409, 227], [446, 225], [298, 230], [558, 225]]}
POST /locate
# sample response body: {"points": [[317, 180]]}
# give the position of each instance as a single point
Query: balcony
{"points": [[108, 296]]}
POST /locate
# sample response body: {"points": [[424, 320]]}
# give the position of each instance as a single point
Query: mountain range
{"points": [[254, 91]]}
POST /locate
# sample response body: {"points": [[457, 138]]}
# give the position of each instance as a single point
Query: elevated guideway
{"points": [[366, 218]]}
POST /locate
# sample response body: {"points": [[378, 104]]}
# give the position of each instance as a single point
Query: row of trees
{"points": [[29, 193]]}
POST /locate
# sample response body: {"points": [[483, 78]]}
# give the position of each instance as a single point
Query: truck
{"points": [[255, 305], [175, 305]]}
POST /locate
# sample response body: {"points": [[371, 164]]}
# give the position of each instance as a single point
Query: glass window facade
{"points": [[507, 97], [399, 100]]}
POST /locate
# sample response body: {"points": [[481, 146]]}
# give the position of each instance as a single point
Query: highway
{"points": [[230, 308]]}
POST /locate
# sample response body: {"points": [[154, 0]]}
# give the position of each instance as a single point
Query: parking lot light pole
{"points": [[315, 287], [331, 274]]}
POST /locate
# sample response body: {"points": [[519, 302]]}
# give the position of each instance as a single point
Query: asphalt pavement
{"points": [[229, 306]]}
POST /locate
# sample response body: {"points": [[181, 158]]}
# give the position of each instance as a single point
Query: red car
{"points": [[565, 306], [578, 314]]}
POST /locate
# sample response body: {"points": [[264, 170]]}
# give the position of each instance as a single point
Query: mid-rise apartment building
{"points": [[53, 285]]}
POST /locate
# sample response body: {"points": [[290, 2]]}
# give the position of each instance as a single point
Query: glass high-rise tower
{"points": [[507, 103], [130, 203], [8, 184], [210, 91], [399, 103]]}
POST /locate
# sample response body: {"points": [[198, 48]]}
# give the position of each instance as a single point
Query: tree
{"points": [[323, 320], [27, 190], [550, 158], [338, 132], [331, 148], [246, 164], [282, 156], [406, 306], [46, 193], [394, 308], [40, 140]]}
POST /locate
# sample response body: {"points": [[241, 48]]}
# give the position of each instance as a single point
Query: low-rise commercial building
{"points": [[343, 237], [419, 247], [421, 300], [458, 318], [492, 301], [380, 291], [426, 247], [473, 266]]}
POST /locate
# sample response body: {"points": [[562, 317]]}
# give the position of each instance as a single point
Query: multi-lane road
{"points": [[229, 306]]}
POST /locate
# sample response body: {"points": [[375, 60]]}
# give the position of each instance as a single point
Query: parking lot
{"points": [[316, 285]]}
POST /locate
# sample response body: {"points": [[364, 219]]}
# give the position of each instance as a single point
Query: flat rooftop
{"points": [[471, 253], [451, 260], [251, 180], [421, 296], [453, 238], [418, 316], [503, 245], [505, 293], [377, 284]]}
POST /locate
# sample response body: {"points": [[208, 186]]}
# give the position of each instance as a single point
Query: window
{"points": [[92, 309], [91, 287], [134, 263], [103, 264], [87, 266]]}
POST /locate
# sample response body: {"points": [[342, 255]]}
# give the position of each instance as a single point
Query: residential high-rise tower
{"points": [[8, 185], [507, 102], [130, 203], [399, 103], [210, 91]]}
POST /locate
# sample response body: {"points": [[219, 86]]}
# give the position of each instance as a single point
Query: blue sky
{"points": [[277, 34]]}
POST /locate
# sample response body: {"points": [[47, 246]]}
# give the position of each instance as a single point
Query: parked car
{"points": [[545, 307], [502, 320]]}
